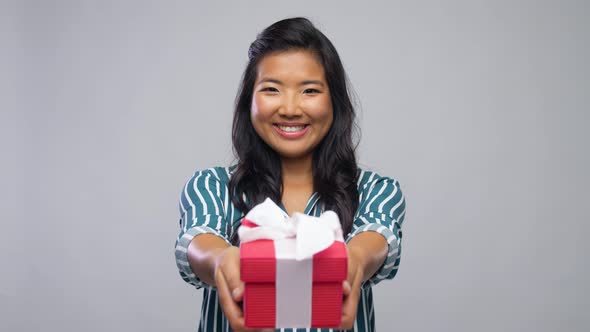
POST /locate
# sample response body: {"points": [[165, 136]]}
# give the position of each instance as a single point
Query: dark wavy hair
{"points": [[258, 172]]}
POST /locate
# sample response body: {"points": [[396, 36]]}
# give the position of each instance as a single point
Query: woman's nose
{"points": [[290, 106]]}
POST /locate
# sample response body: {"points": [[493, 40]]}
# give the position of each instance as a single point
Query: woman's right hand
{"points": [[230, 288]]}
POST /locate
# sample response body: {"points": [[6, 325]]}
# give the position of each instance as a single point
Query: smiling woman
{"points": [[291, 108], [292, 135]]}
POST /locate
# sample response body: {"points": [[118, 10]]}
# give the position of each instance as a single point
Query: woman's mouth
{"points": [[291, 131]]}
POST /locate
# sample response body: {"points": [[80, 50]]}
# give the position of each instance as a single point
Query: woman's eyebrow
{"points": [[312, 82], [272, 80]]}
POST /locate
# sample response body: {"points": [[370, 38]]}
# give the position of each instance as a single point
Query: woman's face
{"points": [[291, 104]]}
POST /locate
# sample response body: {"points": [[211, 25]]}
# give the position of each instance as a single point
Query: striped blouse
{"points": [[205, 207]]}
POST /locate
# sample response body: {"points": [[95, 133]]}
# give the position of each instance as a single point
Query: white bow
{"points": [[312, 234]]}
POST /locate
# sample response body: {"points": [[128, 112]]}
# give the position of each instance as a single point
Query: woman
{"points": [[292, 134]]}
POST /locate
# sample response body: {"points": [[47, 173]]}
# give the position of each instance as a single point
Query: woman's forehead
{"points": [[290, 67]]}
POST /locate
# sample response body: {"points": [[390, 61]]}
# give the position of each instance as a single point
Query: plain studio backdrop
{"points": [[478, 108]]}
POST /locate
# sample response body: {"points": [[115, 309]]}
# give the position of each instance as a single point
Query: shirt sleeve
{"points": [[202, 211], [382, 209]]}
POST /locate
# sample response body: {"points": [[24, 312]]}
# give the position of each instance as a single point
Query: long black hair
{"points": [[258, 172]]}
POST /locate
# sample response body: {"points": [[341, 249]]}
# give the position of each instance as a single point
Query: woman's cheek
{"points": [[322, 109], [263, 106]]}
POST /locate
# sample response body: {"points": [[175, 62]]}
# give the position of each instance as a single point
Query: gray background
{"points": [[478, 108]]}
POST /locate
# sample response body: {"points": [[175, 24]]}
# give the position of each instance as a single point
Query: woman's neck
{"points": [[297, 171]]}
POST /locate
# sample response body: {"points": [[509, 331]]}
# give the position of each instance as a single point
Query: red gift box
{"points": [[283, 292]]}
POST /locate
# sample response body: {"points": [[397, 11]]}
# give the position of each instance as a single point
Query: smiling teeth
{"points": [[291, 129]]}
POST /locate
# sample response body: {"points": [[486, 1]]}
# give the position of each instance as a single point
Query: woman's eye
{"points": [[270, 89], [311, 91]]}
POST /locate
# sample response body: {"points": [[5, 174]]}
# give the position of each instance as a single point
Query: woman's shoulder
{"points": [[219, 174], [369, 177], [380, 194]]}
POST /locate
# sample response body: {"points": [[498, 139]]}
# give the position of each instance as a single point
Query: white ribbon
{"points": [[312, 234]]}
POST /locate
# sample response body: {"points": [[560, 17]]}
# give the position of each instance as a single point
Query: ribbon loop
{"points": [[313, 234]]}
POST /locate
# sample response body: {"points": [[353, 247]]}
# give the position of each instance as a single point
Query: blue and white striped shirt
{"points": [[205, 207]]}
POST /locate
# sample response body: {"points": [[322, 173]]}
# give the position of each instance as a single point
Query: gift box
{"points": [[293, 278]]}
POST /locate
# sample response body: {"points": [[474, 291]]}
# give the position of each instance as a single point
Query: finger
{"points": [[238, 293], [231, 272], [349, 308], [347, 320], [233, 281], [346, 289], [230, 308]]}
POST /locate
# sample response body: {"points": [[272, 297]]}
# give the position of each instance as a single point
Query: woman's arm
{"points": [[375, 241], [201, 212], [217, 263], [203, 253], [369, 249], [366, 253]]}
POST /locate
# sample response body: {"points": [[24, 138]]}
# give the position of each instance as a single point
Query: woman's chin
{"points": [[294, 155]]}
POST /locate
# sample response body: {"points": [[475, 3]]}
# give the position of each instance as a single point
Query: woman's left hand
{"points": [[351, 288]]}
